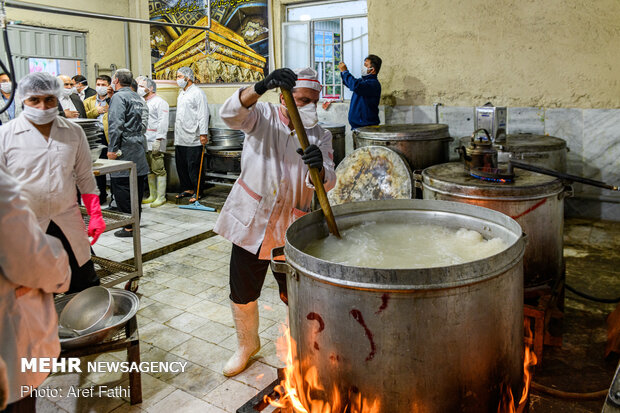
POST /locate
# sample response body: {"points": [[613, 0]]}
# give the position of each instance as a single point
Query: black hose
{"points": [[591, 298], [10, 72]]}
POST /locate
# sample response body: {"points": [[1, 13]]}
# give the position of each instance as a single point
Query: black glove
{"points": [[312, 157], [284, 78]]}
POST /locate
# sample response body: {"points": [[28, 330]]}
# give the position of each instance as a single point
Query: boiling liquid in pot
{"points": [[404, 245]]}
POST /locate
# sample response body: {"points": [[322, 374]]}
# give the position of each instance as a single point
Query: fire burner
{"points": [[258, 403]]}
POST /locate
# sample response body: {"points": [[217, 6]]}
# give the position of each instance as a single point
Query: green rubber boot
{"points": [[161, 192], [152, 190]]}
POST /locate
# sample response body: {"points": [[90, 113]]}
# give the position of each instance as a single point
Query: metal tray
{"points": [[126, 305]]}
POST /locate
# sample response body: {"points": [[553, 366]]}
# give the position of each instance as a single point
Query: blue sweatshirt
{"points": [[364, 109]]}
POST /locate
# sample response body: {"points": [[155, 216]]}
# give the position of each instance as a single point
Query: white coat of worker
{"points": [[273, 189], [49, 156], [33, 266]]}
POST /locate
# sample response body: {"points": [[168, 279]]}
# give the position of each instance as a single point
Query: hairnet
{"points": [[150, 83], [39, 84], [187, 72]]}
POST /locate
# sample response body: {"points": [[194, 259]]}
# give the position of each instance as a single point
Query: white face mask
{"points": [[182, 83], [308, 115], [366, 70], [101, 90], [6, 87], [141, 91], [66, 92], [40, 116]]}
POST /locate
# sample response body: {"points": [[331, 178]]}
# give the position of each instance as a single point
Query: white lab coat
{"points": [[192, 119], [157, 127], [49, 172], [32, 267], [274, 187]]}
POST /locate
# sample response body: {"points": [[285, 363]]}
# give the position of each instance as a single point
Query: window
{"points": [[322, 35]]}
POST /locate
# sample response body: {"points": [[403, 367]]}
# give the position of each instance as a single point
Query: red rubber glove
{"points": [[96, 225]]}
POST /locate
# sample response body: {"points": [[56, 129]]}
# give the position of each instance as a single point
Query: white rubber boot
{"points": [[161, 192], [246, 323], [152, 190]]}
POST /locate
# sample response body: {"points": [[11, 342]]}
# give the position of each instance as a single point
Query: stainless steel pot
{"points": [[535, 201], [224, 160], [338, 139], [440, 339], [229, 138], [422, 145], [540, 150]]}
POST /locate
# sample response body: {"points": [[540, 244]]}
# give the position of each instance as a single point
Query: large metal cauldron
{"points": [[440, 339], [338, 139], [421, 144], [540, 150], [535, 201]]}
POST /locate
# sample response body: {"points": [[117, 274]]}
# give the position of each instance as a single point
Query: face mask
{"points": [[6, 87], [40, 116], [182, 83], [308, 115], [141, 91], [365, 70], [67, 92], [102, 90]]}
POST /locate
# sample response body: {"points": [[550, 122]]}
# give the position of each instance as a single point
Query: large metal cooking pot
{"points": [[173, 184], [338, 139], [421, 144], [540, 150], [535, 201], [223, 160], [441, 339], [226, 138]]}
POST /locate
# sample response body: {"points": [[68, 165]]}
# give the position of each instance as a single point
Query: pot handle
{"points": [[281, 266], [417, 178], [568, 192]]}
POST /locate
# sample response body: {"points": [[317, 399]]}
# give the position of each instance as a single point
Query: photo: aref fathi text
{"points": [[75, 391]]}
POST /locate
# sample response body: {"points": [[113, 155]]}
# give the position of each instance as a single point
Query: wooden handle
{"points": [[315, 175]]}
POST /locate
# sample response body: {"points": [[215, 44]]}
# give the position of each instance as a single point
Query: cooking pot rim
{"points": [[407, 279]]}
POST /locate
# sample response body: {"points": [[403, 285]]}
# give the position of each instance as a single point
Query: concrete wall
{"points": [[552, 53], [105, 39]]}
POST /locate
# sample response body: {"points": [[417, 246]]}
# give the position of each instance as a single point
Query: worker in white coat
{"points": [[156, 132], [274, 189], [49, 156], [191, 132], [33, 266]]}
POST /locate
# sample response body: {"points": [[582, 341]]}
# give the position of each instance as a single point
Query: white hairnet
{"points": [[147, 82], [39, 84], [187, 72]]}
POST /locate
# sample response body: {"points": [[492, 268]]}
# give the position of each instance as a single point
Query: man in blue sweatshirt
{"points": [[364, 109]]}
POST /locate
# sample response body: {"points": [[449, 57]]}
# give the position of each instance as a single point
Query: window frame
{"points": [[311, 29]]}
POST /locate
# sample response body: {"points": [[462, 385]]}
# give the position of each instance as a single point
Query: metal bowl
{"points": [[126, 305], [96, 152], [88, 310]]}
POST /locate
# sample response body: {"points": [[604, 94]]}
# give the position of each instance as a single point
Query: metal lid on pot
{"points": [[526, 142], [333, 127], [404, 132], [452, 178], [371, 173]]}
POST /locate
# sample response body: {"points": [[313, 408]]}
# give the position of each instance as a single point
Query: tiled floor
{"points": [[159, 227], [184, 316]]}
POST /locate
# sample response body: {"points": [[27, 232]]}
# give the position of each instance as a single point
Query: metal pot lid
{"points": [[227, 153], [225, 132], [371, 173], [526, 142], [404, 132], [452, 178], [333, 127]]}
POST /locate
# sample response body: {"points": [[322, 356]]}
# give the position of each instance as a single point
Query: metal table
{"points": [[111, 272]]}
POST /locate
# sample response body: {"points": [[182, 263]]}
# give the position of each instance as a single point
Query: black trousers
{"points": [[247, 275], [81, 277], [188, 164], [101, 179], [26, 405], [122, 195]]}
